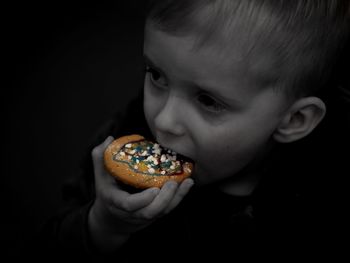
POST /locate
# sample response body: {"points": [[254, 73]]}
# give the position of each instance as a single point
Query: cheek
{"points": [[151, 104], [223, 158]]}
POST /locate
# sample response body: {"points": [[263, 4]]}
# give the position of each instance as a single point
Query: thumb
{"points": [[97, 155]]}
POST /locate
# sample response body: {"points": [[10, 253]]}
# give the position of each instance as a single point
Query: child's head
{"points": [[304, 35], [227, 78]]}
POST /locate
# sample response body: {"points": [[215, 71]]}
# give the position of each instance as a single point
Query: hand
{"points": [[117, 212]]}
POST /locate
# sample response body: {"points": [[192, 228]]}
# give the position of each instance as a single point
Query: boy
{"points": [[228, 83]]}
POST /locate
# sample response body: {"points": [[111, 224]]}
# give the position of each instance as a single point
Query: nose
{"points": [[170, 119]]}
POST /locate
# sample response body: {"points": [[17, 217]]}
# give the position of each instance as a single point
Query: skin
{"points": [[211, 104], [116, 214], [211, 107]]}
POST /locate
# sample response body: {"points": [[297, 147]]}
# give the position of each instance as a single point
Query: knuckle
{"points": [[126, 206], [181, 194], [146, 216], [110, 206], [168, 210], [109, 201]]}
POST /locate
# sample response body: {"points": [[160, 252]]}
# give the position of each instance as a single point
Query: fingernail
{"points": [[108, 140], [190, 182]]}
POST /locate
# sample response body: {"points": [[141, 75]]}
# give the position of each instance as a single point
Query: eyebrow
{"points": [[207, 89], [151, 63], [212, 91]]}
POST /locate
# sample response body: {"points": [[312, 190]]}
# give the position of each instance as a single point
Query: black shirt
{"points": [[278, 217]]}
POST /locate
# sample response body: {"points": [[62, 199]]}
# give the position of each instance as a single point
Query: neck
{"points": [[243, 187], [245, 182]]}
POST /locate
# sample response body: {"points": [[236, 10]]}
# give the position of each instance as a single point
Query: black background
{"points": [[69, 67]]}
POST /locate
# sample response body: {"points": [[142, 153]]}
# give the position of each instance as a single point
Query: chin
{"points": [[202, 178]]}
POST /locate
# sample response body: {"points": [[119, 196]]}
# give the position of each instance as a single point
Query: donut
{"points": [[143, 163]]}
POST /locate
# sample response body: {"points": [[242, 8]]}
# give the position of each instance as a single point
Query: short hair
{"points": [[309, 35]]}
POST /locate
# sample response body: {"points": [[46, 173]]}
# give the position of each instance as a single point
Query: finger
{"points": [[97, 155], [181, 192], [132, 202], [160, 202]]}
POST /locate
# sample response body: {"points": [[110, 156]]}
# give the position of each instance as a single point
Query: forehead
{"points": [[226, 58]]}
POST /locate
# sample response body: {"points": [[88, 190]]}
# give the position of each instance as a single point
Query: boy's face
{"points": [[210, 104]]}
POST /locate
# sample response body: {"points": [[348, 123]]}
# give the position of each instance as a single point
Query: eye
{"points": [[156, 77], [210, 104]]}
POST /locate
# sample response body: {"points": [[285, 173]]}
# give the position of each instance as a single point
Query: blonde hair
{"points": [[308, 35]]}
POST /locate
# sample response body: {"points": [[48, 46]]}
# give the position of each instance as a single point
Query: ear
{"points": [[300, 119]]}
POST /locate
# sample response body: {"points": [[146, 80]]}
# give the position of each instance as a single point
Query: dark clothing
{"points": [[280, 216]]}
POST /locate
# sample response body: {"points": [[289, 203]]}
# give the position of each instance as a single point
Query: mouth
{"points": [[178, 155], [184, 158]]}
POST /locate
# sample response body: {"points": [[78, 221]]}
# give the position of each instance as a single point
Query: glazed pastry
{"points": [[142, 163]]}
